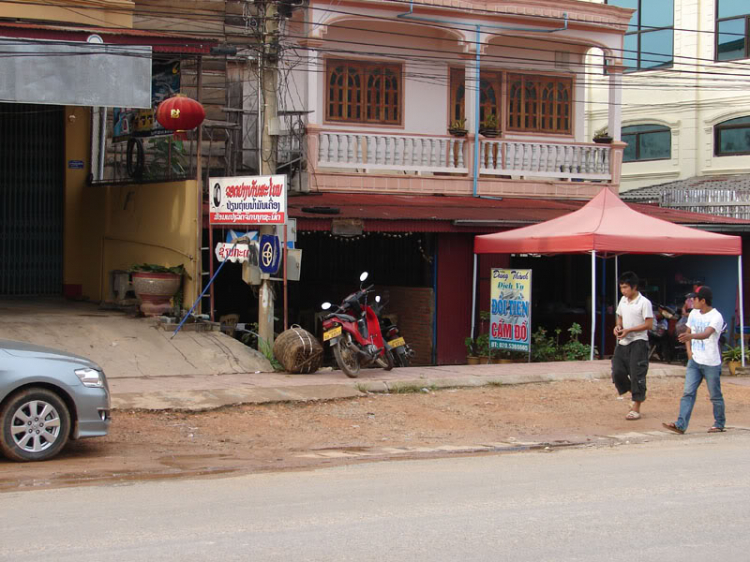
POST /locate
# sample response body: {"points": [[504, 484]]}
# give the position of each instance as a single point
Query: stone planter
{"points": [[472, 360], [733, 365], [155, 291]]}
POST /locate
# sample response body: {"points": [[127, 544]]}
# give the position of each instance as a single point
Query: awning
{"points": [[435, 213]]}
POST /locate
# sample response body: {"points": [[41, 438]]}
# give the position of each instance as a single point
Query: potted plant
{"points": [[483, 348], [601, 136], [155, 285], [471, 354], [489, 127], [733, 357], [458, 128]]}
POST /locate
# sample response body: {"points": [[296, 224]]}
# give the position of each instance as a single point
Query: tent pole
{"points": [[474, 299], [741, 313], [593, 302], [617, 281]]}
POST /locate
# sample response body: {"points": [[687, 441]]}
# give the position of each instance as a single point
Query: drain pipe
{"points": [[475, 181], [411, 16]]}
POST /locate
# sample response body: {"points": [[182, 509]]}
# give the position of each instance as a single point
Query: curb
{"points": [[205, 400]]}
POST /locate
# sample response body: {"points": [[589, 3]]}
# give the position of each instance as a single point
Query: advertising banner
{"points": [[248, 200], [510, 312]]}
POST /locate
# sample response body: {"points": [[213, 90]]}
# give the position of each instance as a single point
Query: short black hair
{"points": [[629, 278], [705, 293]]}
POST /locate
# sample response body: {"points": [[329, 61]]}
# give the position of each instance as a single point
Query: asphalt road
{"points": [[684, 499]]}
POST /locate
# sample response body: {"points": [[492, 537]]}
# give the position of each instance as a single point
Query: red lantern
{"points": [[180, 113]]}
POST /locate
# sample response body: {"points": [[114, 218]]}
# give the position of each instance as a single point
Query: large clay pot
{"points": [[155, 291]]}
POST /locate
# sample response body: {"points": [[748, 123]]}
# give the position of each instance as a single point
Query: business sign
{"points": [[270, 254], [510, 309], [248, 200], [241, 252]]}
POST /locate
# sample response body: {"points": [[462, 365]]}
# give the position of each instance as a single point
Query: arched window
{"points": [[647, 142], [732, 138], [539, 103], [364, 92]]}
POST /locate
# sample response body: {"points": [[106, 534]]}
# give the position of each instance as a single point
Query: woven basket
{"points": [[298, 351]]}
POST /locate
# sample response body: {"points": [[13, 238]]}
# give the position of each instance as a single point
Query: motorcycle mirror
{"points": [[363, 277], [325, 305], [377, 298]]}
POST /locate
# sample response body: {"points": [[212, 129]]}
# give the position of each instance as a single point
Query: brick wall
{"points": [[413, 311]]}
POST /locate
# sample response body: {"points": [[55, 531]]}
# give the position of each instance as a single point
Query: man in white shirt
{"points": [[635, 317], [705, 324]]}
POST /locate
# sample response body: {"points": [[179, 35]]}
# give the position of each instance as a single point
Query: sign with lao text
{"points": [[248, 200], [241, 252], [510, 309]]}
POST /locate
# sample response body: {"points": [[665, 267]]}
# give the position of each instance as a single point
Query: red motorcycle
{"points": [[353, 332]]}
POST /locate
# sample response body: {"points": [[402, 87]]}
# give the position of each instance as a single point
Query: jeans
{"points": [[693, 377]]}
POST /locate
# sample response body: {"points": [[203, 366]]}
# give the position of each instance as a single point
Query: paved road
{"points": [[684, 499]]}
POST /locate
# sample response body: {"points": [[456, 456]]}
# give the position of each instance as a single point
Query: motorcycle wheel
{"points": [[386, 360], [347, 359], [403, 358]]}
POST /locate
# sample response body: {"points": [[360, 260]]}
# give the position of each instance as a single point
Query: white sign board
{"points": [[248, 200], [247, 252]]}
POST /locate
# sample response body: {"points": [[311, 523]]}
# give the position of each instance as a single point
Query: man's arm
{"points": [[647, 325], [705, 334], [618, 325]]}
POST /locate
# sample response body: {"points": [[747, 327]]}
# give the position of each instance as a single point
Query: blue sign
{"points": [[270, 254], [75, 164]]}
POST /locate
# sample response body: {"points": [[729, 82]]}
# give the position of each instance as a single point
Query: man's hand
{"points": [[617, 331], [622, 332], [685, 337]]}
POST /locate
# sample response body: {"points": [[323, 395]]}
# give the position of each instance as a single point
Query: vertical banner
{"points": [[510, 320]]}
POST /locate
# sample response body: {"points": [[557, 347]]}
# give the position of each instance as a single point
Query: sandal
{"points": [[633, 415], [715, 429], [673, 427]]}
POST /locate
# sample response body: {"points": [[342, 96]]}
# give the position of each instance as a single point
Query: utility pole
{"points": [[268, 83]]}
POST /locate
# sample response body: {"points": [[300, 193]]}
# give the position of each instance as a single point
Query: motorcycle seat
{"points": [[345, 317]]}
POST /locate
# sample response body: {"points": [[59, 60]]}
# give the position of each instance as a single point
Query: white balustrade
{"points": [[552, 160], [392, 152]]}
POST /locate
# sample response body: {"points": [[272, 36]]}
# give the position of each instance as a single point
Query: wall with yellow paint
{"points": [[83, 223], [152, 223], [109, 228], [104, 13]]}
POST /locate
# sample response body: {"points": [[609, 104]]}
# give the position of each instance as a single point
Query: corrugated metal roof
{"points": [[451, 214], [739, 182], [161, 42]]}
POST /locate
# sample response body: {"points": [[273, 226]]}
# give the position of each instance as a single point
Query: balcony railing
{"points": [[371, 152], [539, 159], [335, 154]]}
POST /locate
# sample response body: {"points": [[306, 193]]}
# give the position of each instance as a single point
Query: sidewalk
{"points": [[206, 392]]}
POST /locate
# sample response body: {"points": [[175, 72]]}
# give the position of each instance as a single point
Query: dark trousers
{"points": [[629, 368]]}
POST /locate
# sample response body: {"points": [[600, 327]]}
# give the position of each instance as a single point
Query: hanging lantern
{"points": [[180, 113]]}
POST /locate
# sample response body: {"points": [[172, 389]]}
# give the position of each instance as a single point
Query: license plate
{"points": [[398, 342], [332, 333]]}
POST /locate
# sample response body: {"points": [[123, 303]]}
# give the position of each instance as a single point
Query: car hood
{"points": [[29, 350]]}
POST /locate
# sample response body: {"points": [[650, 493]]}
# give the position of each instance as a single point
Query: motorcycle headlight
{"points": [[90, 377]]}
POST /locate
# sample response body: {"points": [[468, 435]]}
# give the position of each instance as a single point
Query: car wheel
{"points": [[34, 425]]}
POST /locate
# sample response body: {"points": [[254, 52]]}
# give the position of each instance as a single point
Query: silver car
{"points": [[47, 397]]}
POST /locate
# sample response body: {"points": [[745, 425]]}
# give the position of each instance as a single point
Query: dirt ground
{"points": [[288, 436]]}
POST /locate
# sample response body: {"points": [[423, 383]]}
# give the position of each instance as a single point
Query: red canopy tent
{"points": [[608, 226]]}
